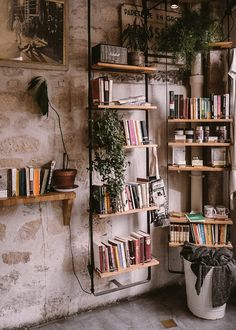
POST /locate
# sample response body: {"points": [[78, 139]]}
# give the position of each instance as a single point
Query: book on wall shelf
{"points": [[195, 217]]}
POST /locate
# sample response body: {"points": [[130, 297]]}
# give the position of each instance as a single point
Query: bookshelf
{"points": [[142, 145], [67, 199]]}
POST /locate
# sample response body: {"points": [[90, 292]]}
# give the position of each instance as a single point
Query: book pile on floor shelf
{"points": [[122, 252], [26, 181]]}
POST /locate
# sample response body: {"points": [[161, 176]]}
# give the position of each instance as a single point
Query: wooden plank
{"points": [[229, 245], [141, 146], [207, 221], [66, 197], [221, 44], [196, 168], [125, 107], [132, 268], [230, 120], [108, 215], [123, 68], [197, 144]]}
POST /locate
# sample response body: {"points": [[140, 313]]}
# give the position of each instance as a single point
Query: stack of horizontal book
{"points": [[121, 252]]}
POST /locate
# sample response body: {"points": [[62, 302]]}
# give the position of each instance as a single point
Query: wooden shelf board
{"points": [[196, 168], [197, 144], [132, 268], [206, 222], [144, 209], [230, 120], [123, 68], [221, 44], [229, 245], [125, 107], [66, 197], [141, 146]]}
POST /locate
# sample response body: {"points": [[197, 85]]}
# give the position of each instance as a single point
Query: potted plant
{"points": [[188, 36], [135, 37], [109, 156], [38, 89]]}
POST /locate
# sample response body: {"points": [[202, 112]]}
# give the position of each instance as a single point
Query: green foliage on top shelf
{"points": [[136, 36], [188, 35], [109, 156]]}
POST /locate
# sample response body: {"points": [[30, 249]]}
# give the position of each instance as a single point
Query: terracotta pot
{"points": [[64, 179]]}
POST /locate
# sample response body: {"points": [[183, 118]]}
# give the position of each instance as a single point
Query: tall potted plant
{"points": [[136, 37], [38, 89], [109, 156]]}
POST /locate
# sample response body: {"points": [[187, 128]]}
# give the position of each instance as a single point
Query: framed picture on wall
{"points": [[34, 33]]}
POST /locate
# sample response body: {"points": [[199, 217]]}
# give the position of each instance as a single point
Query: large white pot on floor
{"points": [[201, 305]]}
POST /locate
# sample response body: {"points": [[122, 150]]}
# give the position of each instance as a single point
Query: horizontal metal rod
{"points": [[120, 287]]}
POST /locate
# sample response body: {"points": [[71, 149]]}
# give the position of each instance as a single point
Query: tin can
{"points": [[199, 134]]}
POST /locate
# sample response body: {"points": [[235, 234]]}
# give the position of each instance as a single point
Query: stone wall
{"points": [[37, 282]]}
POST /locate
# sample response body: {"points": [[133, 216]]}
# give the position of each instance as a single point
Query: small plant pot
{"points": [[137, 58], [64, 179]]}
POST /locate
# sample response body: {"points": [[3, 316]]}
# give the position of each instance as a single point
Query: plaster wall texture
{"points": [[36, 276]]}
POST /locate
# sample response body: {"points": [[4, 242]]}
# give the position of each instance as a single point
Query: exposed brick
{"points": [[2, 231], [29, 230], [13, 258]]}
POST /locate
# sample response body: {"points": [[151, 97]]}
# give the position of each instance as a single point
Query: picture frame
{"points": [[35, 34]]}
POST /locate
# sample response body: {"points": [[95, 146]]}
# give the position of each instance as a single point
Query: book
{"points": [[140, 239], [51, 169], [45, 175], [147, 245], [36, 186], [124, 241], [192, 217], [3, 182], [98, 256], [22, 182]]}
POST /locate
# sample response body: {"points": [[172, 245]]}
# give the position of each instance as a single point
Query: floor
{"points": [[166, 309]]}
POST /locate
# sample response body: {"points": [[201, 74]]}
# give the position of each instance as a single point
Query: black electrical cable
{"points": [[73, 265]]}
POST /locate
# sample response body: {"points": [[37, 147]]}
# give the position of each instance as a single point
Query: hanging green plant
{"points": [[109, 156]]}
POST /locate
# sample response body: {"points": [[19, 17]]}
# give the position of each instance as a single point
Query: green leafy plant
{"points": [[136, 36], [38, 89], [109, 156], [188, 35]]}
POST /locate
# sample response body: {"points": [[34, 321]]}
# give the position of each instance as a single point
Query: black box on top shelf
{"points": [[109, 54]]}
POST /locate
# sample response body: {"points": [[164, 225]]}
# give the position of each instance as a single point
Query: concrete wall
{"points": [[36, 275]]}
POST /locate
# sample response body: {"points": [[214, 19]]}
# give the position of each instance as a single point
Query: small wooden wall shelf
{"points": [[66, 197], [132, 268]]}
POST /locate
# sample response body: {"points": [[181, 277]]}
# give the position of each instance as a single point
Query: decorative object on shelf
{"points": [[109, 157], [109, 54], [38, 89], [135, 37], [188, 36]]}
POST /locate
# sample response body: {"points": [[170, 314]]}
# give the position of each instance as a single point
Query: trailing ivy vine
{"points": [[109, 156]]}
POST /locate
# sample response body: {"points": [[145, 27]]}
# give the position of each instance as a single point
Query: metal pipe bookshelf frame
{"points": [[118, 285]]}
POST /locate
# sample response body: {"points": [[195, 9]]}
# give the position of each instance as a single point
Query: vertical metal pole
{"points": [[91, 261]]}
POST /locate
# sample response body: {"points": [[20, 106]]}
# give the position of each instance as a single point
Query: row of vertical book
{"points": [[135, 195], [121, 252], [213, 107], [27, 181], [199, 233], [135, 132]]}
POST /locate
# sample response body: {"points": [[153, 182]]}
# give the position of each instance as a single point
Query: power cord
{"points": [[73, 265]]}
